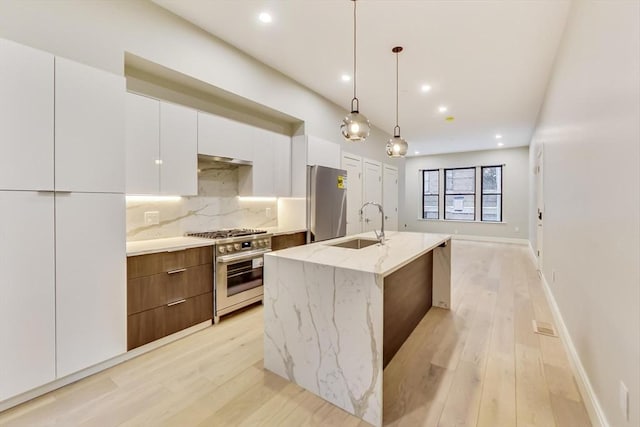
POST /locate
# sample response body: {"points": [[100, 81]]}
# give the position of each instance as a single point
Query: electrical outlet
{"points": [[517, 229], [151, 218], [267, 212], [624, 401]]}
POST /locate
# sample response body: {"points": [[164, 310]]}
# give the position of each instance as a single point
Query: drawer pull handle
{"points": [[179, 270], [176, 302]]}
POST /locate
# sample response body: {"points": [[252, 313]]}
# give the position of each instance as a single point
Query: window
{"points": [[430, 194], [491, 207], [460, 194]]}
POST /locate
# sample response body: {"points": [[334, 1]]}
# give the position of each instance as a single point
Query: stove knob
{"points": [[221, 249], [229, 248], [266, 243], [262, 243], [236, 246]]}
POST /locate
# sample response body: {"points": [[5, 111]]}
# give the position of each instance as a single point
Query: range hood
{"points": [[205, 159]]}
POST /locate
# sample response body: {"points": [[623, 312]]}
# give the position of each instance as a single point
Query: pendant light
{"points": [[355, 126], [397, 146]]}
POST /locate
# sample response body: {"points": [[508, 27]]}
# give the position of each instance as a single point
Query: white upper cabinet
{"points": [[142, 137], [178, 150], [323, 153], [270, 175], [26, 118], [91, 298], [89, 129], [27, 305], [162, 147], [219, 136]]}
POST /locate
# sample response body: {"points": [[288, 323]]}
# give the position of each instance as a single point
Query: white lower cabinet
{"points": [[90, 280], [27, 305]]}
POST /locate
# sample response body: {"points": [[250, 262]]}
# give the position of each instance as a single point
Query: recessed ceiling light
{"points": [[425, 88], [346, 77], [442, 108], [265, 17], [498, 136], [500, 144]]}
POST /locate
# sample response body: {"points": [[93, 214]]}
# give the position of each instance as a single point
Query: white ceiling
{"points": [[488, 61]]}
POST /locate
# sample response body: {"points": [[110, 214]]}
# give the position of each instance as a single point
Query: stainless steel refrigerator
{"points": [[326, 203]]}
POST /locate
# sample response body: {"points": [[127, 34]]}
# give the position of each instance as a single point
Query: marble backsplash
{"points": [[216, 206]]}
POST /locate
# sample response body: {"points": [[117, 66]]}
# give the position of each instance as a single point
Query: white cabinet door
{"points": [[90, 280], [390, 197], [26, 118], [219, 136], [262, 171], [270, 175], [282, 164], [27, 306], [89, 129], [142, 136], [323, 153], [353, 165], [178, 150], [372, 192]]}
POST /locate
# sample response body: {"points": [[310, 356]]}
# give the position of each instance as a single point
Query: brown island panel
{"points": [[408, 296]]}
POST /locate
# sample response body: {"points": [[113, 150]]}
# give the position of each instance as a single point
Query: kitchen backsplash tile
{"points": [[215, 207]]}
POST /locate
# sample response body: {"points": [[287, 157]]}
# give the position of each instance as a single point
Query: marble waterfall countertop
{"points": [[324, 313], [143, 247], [399, 249]]}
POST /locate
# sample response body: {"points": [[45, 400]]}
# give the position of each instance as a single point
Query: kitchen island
{"points": [[336, 315]]}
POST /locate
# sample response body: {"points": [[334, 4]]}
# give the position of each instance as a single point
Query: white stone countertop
{"points": [[399, 249], [142, 247]]}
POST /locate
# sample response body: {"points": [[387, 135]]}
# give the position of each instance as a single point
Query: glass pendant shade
{"points": [[397, 146], [355, 127]]}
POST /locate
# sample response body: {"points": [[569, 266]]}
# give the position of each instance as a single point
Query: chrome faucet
{"points": [[379, 236]]}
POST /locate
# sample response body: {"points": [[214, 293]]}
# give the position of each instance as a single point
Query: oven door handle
{"points": [[226, 259]]}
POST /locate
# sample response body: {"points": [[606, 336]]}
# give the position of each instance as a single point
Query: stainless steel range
{"points": [[238, 261]]}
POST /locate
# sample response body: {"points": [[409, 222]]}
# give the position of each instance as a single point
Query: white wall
{"points": [[98, 33], [590, 129], [515, 193]]}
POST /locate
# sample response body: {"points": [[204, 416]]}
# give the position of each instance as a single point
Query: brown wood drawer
{"points": [[284, 241], [147, 292], [150, 325], [162, 262]]}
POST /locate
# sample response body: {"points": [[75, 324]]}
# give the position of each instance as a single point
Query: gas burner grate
{"points": [[224, 234]]}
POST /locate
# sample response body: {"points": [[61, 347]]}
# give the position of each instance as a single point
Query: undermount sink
{"points": [[356, 243]]}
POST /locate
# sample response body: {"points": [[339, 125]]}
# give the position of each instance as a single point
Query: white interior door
{"points": [[372, 192], [540, 206], [390, 197], [353, 165]]}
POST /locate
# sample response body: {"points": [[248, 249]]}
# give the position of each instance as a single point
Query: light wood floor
{"points": [[477, 365]]}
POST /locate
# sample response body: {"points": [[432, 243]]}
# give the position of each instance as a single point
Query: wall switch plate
{"points": [[624, 400], [517, 229], [151, 218]]}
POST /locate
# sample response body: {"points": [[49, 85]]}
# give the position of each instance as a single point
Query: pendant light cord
{"points": [[397, 90], [354, 57]]}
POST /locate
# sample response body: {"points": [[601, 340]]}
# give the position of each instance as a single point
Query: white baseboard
{"points": [[591, 402], [490, 239], [54, 385]]}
